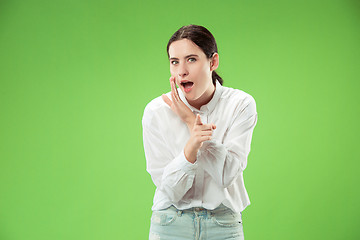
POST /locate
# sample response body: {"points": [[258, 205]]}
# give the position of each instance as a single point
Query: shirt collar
{"points": [[209, 107]]}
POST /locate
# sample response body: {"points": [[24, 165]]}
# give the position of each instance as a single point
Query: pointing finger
{"points": [[198, 120]]}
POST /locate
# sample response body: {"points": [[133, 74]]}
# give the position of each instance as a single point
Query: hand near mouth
{"points": [[178, 106], [199, 132]]}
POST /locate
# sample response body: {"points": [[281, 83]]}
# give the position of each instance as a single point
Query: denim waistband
{"points": [[221, 209]]}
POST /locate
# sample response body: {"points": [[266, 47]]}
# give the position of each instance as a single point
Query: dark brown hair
{"points": [[202, 38]]}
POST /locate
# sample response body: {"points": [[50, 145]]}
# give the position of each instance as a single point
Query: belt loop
{"points": [[179, 213], [210, 213]]}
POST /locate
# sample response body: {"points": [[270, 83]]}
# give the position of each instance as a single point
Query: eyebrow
{"points": [[191, 55]]}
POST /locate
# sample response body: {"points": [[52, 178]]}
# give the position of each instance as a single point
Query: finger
{"points": [[172, 78], [205, 138], [173, 91], [211, 126], [176, 92], [173, 86], [198, 120], [166, 100], [205, 127], [206, 133]]}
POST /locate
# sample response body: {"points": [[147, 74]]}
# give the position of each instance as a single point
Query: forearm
{"points": [[222, 164], [172, 174], [190, 122], [177, 178], [190, 152], [224, 161], [199, 133]]}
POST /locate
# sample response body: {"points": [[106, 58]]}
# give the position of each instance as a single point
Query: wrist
{"points": [[190, 152], [190, 122]]}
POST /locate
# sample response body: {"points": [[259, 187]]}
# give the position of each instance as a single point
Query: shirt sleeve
{"points": [[173, 175], [225, 161]]}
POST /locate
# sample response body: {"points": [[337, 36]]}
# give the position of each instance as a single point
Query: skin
{"points": [[197, 69]]}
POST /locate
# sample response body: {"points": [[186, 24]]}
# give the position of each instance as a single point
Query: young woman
{"points": [[196, 141]]}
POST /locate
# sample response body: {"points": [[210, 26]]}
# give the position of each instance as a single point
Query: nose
{"points": [[183, 72]]}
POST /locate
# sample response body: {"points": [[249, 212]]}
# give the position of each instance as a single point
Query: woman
{"points": [[196, 142]]}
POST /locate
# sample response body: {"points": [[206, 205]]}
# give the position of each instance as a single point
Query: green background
{"points": [[76, 76]]}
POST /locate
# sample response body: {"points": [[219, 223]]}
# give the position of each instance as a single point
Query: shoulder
{"points": [[238, 98], [238, 104], [155, 108]]}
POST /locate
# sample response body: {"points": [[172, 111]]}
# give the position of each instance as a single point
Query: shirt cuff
{"points": [[208, 143], [185, 165], [213, 146]]}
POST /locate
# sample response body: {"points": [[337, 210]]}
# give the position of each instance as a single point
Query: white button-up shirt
{"points": [[217, 175]]}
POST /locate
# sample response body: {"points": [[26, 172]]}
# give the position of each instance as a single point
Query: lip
{"points": [[186, 90], [184, 81]]}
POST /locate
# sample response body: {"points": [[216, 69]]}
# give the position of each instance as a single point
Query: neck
{"points": [[203, 99]]}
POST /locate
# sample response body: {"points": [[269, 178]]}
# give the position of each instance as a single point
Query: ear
{"points": [[214, 63]]}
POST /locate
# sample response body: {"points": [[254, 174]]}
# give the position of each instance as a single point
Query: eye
{"points": [[174, 62], [192, 59]]}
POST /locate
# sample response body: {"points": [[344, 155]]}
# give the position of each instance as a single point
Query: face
{"points": [[192, 71]]}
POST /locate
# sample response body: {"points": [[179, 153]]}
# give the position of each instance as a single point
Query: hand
{"points": [[199, 133], [178, 106]]}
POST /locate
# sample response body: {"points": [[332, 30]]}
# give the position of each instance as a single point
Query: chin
{"points": [[191, 97]]}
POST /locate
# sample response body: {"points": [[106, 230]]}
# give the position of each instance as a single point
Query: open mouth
{"points": [[187, 85]]}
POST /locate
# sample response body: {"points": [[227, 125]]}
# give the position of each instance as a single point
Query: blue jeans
{"points": [[196, 223]]}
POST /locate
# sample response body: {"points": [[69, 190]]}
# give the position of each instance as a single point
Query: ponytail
{"points": [[216, 76]]}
